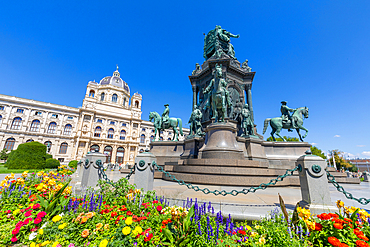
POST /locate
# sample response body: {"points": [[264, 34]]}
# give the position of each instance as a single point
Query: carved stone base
{"points": [[167, 152]]}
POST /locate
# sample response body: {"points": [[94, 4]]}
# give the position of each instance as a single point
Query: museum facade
{"points": [[109, 120]]}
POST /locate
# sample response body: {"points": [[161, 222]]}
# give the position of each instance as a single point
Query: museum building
{"points": [[109, 120]]}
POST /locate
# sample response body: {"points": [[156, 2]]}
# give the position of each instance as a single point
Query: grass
{"points": [[5, 170]]}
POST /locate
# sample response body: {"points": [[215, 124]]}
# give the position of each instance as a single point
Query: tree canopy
{"points": [[287, 138]]}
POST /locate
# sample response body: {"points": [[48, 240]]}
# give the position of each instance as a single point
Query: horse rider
{"points": [[286, 116], [165, 115]]}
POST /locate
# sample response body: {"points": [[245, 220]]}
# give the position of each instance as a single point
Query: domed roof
{"points": [[115, 80]]}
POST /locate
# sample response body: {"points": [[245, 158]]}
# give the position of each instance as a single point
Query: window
{"points": [[1, 118], [102, 96], [143, 129], [81, 144], [1, 108], [52, 128], [112, 123], [70, 117], [67, 130], [161, 138], [124, 102], [99, 120], [20, 110], [141, 151], [137, 104], [122, 135], [92, 93], [108, 153], [16, 124], [87, 118], [61, 159], [54, 115], [120, 155], [38, 113], [114, 98], [63, 148], [142, 139], [9, 144], [35, 126], [48, 146], [169, 138], [94, 147], [135, 125], [97, 131], [110, 133], [29, 140], [124, 124], [152, 131], [132, 149], [151, 138]]}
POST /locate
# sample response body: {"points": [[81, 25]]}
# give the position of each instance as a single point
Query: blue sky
{"points": [[309, 53]]}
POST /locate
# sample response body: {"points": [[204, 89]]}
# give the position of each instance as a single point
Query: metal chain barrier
{"points": [[99, 166], [331, 179], [223, 192]]}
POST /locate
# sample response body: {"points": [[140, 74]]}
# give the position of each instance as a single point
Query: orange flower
{"points": [[90, 215], [363, 237], [334, 241], [83, 219], [360, 243], [85, 233], [338, 226]]}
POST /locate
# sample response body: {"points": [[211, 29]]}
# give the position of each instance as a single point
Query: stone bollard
{"points": [[90, 174], [366, 176], [314, 184], [144, 170]]}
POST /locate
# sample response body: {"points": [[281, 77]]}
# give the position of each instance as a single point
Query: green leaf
{"points": [[183, 243], [295, 215], [43, 202], [168, 234]]}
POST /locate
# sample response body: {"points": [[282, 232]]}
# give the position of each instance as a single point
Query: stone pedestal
{"points": [[221, 143], [366, 177], [191, 148], [167, 152], [90, 175], [144, 171], [314, 184]]}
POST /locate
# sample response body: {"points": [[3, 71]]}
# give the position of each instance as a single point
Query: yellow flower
{"points": [[258, 227], [45, 243], [106, 226], [340, 204], [128, 221], [15, 212], [33, 244], [303, 213], [24, 174], [262, 240], [130, 196], [126, 230], [56, 218], [99, 226], [62, 226], [55, 244], [137, 230], [41, 231], [253, 234], [310, 224], [248, 227], [103, 243]]}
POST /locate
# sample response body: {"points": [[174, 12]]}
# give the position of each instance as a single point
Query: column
{"points": [[248, 88], [194, 96]]}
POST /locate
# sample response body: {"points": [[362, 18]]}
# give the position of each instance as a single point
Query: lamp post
{"points": [[367, 165]]}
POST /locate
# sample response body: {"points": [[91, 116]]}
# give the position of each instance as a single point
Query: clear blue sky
{"points": [[309, 53]]}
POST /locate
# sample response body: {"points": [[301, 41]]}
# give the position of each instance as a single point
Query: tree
{"points": [[287, 138], [340, 162], [30, 155], [4, 154], [318, 152]]}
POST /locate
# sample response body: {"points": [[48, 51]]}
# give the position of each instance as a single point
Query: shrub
{"points": [[48, 156], [30, 155], [52, 163], [73, 164]]}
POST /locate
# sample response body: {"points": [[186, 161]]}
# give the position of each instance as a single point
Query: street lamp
{"points": [[367, 165]]}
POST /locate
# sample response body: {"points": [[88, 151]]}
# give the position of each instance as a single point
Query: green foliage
{"points": [[73, 164], [318, 152], [52, 163], [30, 155], [340, 162], [4, 154], [48, 156], [287, 138]]}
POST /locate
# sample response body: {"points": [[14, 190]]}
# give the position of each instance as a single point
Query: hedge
{"points": [[30, 155], [52, 163], [73, 164]]}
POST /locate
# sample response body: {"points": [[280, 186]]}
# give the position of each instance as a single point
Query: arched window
{"points": [[108, 153], [48, 146], [114, 98], [94, 147], [9, 144], [142, 138], [141, 151], [122, 135], [35, 126], [1, 118], [124, 101], [67, 129], [92, 93], [52, 127], [97, 131], [29, 140], [169, 139], [63, 148], [16, 124], [161, 138], [110, 133], [137, 104], [120, 155], [151, 138], [102, 96]]}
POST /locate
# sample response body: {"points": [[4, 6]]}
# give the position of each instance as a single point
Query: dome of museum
{"points": [[115, 80]]}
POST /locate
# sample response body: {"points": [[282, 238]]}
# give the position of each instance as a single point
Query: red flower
{"points": [[360, 243], [41, 214], [338, 226], [113, 214], [16, 231], [37, 221], [14, 239], [363, 237], [318, 227], [155, 201], [159, 208], [19, 224], [334, 241], [148, 236], [36, 206], [26, 221], [242, 232], [129, 213], [323, 216], [333, 215], [28, 213]]}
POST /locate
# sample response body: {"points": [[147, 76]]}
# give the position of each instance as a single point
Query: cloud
{"points": [[314, 143], [337, 136], [361, 146], [349, 155], [366, 153]]}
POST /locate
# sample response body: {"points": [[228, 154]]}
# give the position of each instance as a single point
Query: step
{"points": [[223, 162]]}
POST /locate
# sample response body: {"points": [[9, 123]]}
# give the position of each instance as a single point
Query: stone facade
{"points": [[109, 119]]}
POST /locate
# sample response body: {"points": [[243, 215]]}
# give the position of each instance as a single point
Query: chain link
{"points": [[223, 192], [331, 179], [131, 172]]}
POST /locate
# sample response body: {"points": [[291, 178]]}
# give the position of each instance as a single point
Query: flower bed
{"points": [[39, 210]]}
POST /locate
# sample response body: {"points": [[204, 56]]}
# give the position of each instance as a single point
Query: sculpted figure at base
{"points": [[195, 123], [219, 95], [246, 66], [247, 123], [283, 122], [165, 122]]}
